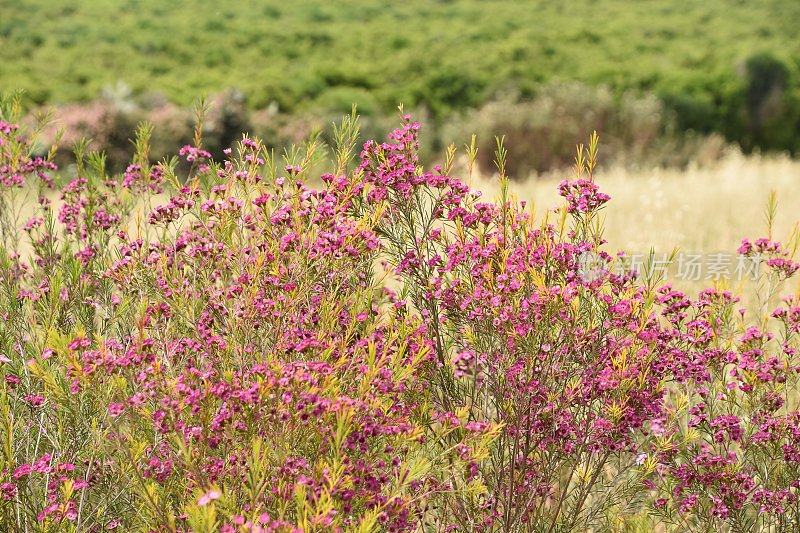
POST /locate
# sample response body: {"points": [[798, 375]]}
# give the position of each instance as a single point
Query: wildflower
{"points": [[35, 400], [209, 497], [193, 153], [8, 491], [22, 471], [582, 195]]}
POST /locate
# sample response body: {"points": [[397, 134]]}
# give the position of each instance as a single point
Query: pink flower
{"points": [[22, 471], [8, 490], [35, 400], [209, 497]]}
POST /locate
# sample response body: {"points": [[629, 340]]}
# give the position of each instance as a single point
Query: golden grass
{"points": [[697, 210]]}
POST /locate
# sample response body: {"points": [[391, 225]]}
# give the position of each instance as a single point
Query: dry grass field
{"points": [[698, 210]]}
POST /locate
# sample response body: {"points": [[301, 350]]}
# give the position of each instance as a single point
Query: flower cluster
{"points": [[235, 366], [727, 454], [236, 345], [777, 258]]}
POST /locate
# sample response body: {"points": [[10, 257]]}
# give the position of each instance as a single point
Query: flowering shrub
{"points": [[522, 339], [727, 450], [216, 345], [235, 366]]}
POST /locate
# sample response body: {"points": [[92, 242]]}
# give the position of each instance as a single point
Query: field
{"points": [[697, 209], [270, 311], [215, 346], [443, 56]]}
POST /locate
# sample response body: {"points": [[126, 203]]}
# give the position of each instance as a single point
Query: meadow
{"points": [[270, 310], [340, 339], [705, 208]]}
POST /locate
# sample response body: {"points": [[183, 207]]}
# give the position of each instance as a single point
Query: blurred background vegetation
{"points": [[665, 82]]}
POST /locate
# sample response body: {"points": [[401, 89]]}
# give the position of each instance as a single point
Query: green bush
{"points": [[772, 107], [541, 132]]}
